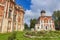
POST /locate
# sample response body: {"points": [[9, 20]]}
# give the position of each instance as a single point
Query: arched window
{"points": [[14, 17], [41, 26], [38, 27], [50, 21], [45, 21], [46, 27], [9, 15]]}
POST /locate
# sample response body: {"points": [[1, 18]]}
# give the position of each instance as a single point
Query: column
{"points": [[4, 20], [16, 22], [12, 26]]}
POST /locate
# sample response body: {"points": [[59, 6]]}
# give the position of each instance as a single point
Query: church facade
{"points": [[45, 22], [11, 16]]}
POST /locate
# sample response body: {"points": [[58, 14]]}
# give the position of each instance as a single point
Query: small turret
{"points": [[43, 13]]}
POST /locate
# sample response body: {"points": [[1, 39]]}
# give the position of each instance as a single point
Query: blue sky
{"points": [[33, 8], [25, 3]]}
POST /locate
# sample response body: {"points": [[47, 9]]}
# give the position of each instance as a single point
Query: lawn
{"points": [[20, 36]]}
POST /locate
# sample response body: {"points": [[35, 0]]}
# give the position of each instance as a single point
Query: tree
{"points": [[32, 23], [56, 16], [59, 22], [26, 26]]}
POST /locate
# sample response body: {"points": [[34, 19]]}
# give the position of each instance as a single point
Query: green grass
{"points": [[4, 36], [20, 36], [45, 34]]}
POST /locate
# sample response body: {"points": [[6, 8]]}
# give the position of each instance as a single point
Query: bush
{"points": [[13, 36], [42, 32], [36, 33]]}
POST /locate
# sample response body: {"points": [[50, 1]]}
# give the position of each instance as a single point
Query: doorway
{"points": [[46, 27]]}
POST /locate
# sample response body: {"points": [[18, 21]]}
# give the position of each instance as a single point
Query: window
{"points": [[11, 5], [50, 26], [46, 27], [1, 10], [9, 25], [38, 27], [45, 21], [50, 21], [14, 18], [9, 15], [53, 26], [41, 26]]}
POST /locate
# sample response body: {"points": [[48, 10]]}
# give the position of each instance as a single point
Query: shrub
{"points": [[13, 36], [36, 33]]}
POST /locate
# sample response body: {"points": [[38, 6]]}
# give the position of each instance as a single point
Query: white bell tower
{"points": [[43, 13]]}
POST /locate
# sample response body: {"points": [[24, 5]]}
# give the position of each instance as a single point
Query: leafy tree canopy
{"points": [[26, 26], [56, 16], [32, 23]]}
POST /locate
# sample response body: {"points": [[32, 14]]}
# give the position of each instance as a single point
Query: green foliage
{"points": [[45, 34], [4, 36], [20, 36], [13, 36], [32, 23], [59, 18], [56, 16], [56, 24], [26, 26], [39, 33]]}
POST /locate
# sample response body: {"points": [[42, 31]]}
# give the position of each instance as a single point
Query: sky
{"points": [[33, 8]]}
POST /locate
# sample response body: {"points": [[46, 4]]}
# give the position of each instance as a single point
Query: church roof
{"points": [[42, 17], [43, 11]]}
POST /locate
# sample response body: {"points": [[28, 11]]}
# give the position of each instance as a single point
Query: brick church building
{"points": [[44, 22], [11, 16]]}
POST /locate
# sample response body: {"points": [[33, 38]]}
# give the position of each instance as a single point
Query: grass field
{"points": [[20, 36]]}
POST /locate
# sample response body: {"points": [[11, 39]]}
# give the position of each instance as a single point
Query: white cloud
{"points": [[37, 5], [30, 15], [58, 6]]}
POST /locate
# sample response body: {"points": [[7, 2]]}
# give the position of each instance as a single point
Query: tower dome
{"points": [[43, 13]]}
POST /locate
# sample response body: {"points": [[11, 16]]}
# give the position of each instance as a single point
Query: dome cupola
{"points": [[43, 13]]}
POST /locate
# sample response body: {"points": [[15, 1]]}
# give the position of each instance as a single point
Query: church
{"points": [[44, 22], [11, 16]]}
